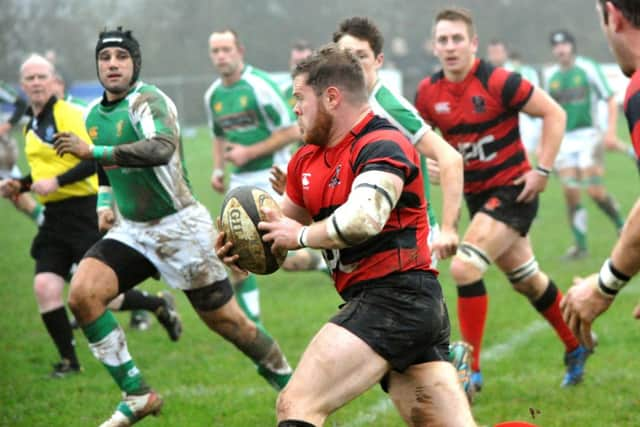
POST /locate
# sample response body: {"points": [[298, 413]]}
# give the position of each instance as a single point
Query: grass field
{"points": [[208, 383]]}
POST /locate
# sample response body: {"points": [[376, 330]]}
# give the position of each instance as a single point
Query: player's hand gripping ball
{"points": [[240, 215]]}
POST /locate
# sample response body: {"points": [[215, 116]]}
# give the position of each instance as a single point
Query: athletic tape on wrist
{"points": [[610, 280], [105, 198], [543, 171], [302, 237]]}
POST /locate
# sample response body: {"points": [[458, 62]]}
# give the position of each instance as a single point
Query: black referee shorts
{"points": [[70, 228]]}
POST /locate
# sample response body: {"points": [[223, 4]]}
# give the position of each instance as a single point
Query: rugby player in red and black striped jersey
{"points": [[476, 106], [620, 20], [357, 187]]}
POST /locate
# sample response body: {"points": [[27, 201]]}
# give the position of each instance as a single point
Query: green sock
{"points": [[579, 226], [37, 214], [248, 297], [107, 342], [611, 208]]}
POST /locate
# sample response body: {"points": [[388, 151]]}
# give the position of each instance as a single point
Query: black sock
{"points": [[136, 300], [294, 423], [57, 324]]}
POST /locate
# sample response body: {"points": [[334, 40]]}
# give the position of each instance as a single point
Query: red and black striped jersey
{"points": [[479, 117], [320, 181], [632, 111]]}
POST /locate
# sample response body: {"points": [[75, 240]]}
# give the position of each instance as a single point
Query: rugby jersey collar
{"points": [[106, 103], [47, 107]]}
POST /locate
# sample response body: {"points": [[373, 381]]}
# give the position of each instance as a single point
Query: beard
{"points": [[318, 134]]}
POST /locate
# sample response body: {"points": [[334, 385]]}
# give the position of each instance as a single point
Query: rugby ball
{"points": [[241, 212]]}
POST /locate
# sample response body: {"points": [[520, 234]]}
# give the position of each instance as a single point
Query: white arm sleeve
{"points": [[373, 196]]}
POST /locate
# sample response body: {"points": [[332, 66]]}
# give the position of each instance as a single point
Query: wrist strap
{"points": [[102, 152], [543, 171], [302, 237], [610, 280]]}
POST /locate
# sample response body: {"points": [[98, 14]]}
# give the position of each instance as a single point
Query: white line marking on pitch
{"points": [[494, 352]]}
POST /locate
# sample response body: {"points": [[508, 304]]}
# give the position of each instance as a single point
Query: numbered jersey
{"points": [[142, 193], [479, 117], [632, 111], [320, 181]]}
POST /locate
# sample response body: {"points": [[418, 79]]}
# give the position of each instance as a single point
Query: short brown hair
{"points": [[233, 32], [332, 66], [457, 14], [630, 9], [361, 28]]}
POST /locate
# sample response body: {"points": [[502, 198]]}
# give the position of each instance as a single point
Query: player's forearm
{"points": [[217, 151], [82, 170], [451, 184], [626, 252], [278, 139], [554, 122], [155, 151]]}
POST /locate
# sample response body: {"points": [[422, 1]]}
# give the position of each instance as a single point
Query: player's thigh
{"points": [[490, 235], [429, 394], [180, 246], [519, 253], [336, 367]]}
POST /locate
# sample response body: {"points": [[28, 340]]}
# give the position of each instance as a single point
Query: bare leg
{"points": [[336, 367], [429, 395]]}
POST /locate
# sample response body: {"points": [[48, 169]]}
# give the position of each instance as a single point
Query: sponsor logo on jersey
{"points": [[442, 107], [577, 80], [93, 132], [555, 85], [492, 204], [119, 127], [305, 180], [244, 101], [217, 107], [479, 105], [335, 179]]}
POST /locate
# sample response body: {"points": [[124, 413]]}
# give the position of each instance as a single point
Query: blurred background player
{"points": [[300, 50], [252, 126], [589, 298], [499, 56], [24, 202], [577, 83], [476, 106], [161, 228]]}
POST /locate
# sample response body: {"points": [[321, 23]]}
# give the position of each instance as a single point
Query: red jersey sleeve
{"points": [[511, 88], [632, 113], [385, 151], [421, 98], [294, 180]]}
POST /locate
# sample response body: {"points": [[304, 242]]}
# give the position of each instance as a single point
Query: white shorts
{"points": [[579, 149], [13, 173], [258, 179], [180, 246]]}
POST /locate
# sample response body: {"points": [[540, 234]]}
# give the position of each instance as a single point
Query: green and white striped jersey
{"points": [[248, 112], [578, 90], [146, 193], [402, 114]]}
